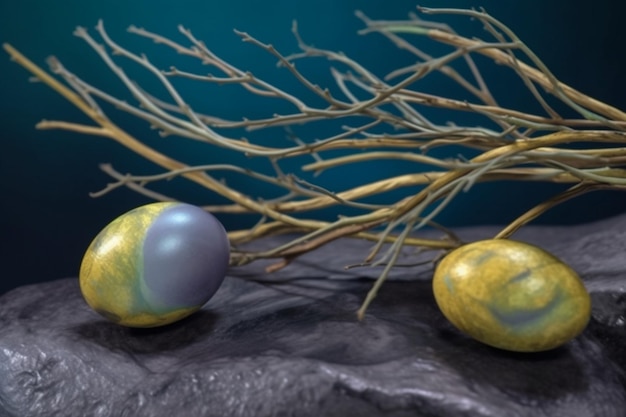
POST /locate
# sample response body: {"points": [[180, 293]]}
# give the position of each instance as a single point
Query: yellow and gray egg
{"points": [[511, 295], [155, 264]]}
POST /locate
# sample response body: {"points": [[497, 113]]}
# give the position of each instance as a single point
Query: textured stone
{"points": [[289, 344]]}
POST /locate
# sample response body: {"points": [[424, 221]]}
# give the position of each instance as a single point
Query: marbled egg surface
{"points": [[511, 295], [155, 264]]}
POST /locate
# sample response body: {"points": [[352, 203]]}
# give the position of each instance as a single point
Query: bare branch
{"points": [[380, 117]]}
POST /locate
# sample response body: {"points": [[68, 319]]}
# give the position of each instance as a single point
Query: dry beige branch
{"points": [[511, 144]]}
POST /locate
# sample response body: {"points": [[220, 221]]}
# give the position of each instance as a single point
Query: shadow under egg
{"points": [[548, 374], [174, 336]]}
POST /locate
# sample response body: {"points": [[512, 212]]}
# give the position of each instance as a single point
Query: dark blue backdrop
{"points": [[47, 218]]}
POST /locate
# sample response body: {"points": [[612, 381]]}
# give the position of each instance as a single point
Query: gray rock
{"points": [[289, 344]]}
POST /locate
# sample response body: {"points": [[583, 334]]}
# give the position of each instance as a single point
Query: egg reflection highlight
{"points": [[511, 295], [155, 264]]}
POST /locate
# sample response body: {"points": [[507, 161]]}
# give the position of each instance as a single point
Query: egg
{"points": [[511, 295], [155, 264]]}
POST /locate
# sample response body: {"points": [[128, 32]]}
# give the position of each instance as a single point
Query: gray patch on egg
{"points": [[449, 284], [185, 257], [519, 318], [483, 256], [521, 276]]}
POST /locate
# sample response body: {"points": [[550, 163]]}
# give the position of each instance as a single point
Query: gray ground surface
{"points": [[289, 344]]}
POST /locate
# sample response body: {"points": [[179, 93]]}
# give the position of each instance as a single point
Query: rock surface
{"points": [[289, 344]]}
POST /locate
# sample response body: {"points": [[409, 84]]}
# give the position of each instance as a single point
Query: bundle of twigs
{"points": [[517, 145]]}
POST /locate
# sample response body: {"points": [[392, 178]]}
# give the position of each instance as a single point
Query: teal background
{"points": [[47, 218]]}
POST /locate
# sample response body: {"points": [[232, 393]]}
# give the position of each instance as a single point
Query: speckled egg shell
{"points": [[155, 264], [511, 295]]}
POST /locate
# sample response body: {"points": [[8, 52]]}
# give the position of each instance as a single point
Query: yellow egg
{"points": [[511, 295]]}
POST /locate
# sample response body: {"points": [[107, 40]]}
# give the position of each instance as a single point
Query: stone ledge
{"points": [[290, 345]]}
